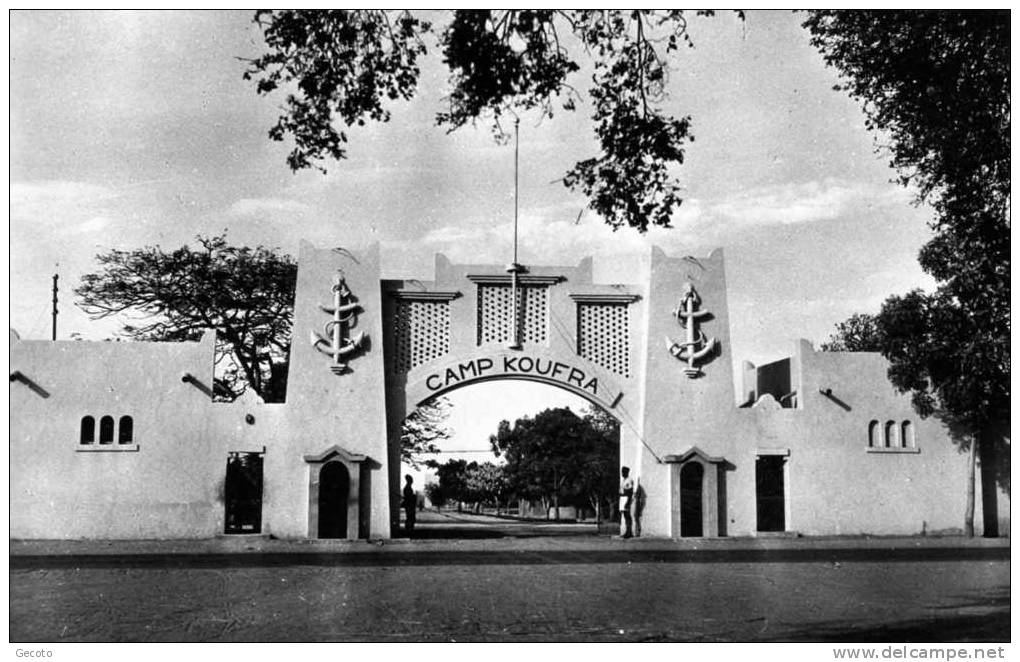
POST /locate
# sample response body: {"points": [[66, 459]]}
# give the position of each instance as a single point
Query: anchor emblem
{"points": [[344, 312], [696, 345]]}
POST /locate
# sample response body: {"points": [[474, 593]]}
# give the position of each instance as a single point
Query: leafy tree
{"points": [[486, 483], [245, 294], [935, 85], [858, 333], [599, 452], [556, 457], [348, 65], [435, 495], [452, 477], [422, 430]]}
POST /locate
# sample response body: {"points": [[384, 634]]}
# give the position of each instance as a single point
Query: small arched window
{"points": [[88, 430], [907, 436], [126, 430], [873, 429], [890, 434], [106, 430]]}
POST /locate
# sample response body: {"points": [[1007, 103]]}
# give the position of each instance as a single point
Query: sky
{"points": [[130, 129]]}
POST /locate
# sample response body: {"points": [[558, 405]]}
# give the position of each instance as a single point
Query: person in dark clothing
{"points": [[410, 505]]}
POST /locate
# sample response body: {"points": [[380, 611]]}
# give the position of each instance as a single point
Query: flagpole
{"points": [[515, 267]]}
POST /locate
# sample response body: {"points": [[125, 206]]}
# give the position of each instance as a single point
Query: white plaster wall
{"points": [[169, 488], [681, 412], [837, 486], [324, 409], [834, 485], [172, 487]]}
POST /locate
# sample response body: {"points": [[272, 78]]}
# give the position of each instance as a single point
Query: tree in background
{"points": [[350, 66], [245, 294], [452, 481], [422, 430], [935, 85], [599, 456], [858, 333], [486, 484], [557, 458], [435, 495]]}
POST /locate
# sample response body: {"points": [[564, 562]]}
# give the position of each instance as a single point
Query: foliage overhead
{"points": [[245, 294], [347, 63], [345, 66], [936, 85]]}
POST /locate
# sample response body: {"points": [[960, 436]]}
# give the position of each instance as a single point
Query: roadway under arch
{"points": [[572, 374]]}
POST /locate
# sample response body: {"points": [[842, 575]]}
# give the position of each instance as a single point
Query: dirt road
{"points": [[551, 589]]}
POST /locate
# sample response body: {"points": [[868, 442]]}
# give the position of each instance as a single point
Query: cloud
{"points": [[69, 206], [807, 202], [551, 235], [262, 206], [555, 235], [94, 224], [27, 196]]}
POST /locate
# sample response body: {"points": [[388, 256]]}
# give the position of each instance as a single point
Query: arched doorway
{"points": [[334, 488], [692, 477], [475, 484], [476, 324]]}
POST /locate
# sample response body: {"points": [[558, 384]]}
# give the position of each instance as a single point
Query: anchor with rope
{"points": [[344, 311], [696, 345]]}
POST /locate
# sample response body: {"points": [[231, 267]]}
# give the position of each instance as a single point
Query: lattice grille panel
{"points": [[496, 311], [603, 335], [421, 333]]}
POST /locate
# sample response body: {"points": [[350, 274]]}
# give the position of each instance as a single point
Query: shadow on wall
{"points": [[18, 376], [368, 467]]}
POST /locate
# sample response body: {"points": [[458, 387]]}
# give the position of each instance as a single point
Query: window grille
{"points": [[496, 312], [421, 333], [603, 336]]}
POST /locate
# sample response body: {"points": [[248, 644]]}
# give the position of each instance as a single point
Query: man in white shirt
{"points": [[626, 500]]}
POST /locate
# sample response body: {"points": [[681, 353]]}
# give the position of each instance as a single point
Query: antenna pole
{"points": [[55, 278], [517, 142], [515, 268]]}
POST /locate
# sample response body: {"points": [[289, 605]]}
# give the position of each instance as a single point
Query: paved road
{"points": [[560, 588]]}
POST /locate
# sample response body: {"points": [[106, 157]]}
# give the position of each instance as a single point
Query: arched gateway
{"points": [[553, 325], [794, 451]]}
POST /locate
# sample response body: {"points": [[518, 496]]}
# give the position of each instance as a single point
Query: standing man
{"points": [[410, 504], [626, 500]]}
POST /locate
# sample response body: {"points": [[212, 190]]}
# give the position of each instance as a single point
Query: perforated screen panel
{"points": [[421, 333], [496, 312], [603, 335]]}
